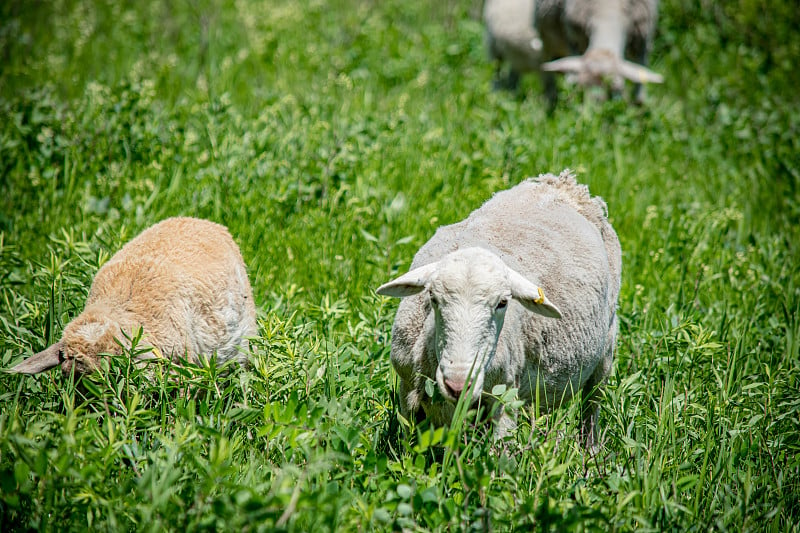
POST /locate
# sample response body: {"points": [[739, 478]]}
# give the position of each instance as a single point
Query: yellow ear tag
{"points": [[157, 352], [540, 299]]}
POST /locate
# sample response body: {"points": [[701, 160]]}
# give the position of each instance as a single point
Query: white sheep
{"points": [[183, 281], [484, 296], [511, 38], [606, 32]]}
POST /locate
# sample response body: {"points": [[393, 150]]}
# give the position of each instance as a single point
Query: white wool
{"points": [[597, 40], [521, 293], [511, 38]]}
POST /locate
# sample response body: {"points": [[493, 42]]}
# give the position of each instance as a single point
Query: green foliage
{"points": [[332, 138]]}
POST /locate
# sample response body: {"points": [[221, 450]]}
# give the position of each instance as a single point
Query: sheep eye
{"points": [[502, 304]]}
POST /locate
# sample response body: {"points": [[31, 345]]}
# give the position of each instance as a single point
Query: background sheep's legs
{"points": [[550, 85], [639, 54], [509, 82]]}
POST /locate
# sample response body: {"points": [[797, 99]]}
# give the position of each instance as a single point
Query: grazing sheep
{"points": [[183, 281], [511, 38], [606, 32], [483, 298]]}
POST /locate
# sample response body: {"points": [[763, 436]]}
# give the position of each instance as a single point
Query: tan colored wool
{"points": [[183, 281]]}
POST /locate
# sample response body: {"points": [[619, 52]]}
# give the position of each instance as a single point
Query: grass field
{"points": [[333, 138]]}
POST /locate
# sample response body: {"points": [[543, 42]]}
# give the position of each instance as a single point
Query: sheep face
{"points": [[597, 65], [469, 292], [83, 342], [79, 349], [469, 302]]}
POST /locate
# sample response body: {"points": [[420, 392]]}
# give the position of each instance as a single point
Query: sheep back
{"points": [[184, 282]]}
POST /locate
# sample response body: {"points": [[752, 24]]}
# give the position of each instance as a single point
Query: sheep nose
{"points": [[454, 387]]}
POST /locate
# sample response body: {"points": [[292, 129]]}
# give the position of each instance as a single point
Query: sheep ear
{"points": [[531, 296], [409, 283], [627, 69], [44, 360], [565, 64], [638, 73]]}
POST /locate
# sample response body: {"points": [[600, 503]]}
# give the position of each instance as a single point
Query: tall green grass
{"points": [[332, 138]]}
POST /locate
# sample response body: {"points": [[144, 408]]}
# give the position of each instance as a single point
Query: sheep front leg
{"points": [[589, 411], [410, 406], [639, 54], [550, 90], [504, 424], [590, 405]]}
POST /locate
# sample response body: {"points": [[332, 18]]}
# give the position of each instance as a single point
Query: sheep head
{"points": [[596, 65], [79, 349], [469, 292]]}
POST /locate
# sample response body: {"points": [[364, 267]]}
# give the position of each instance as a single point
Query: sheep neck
{"points": [[120, 319]]}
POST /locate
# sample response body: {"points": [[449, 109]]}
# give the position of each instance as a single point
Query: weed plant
{"points": [[333, 138]]}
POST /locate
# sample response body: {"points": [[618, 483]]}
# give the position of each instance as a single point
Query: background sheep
{"points": [[511, 38], [183, 281], [606, 32], [475, 297]]}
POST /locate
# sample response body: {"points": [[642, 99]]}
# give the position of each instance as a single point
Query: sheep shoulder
{"points": [[511, 23], [536, 227]]}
